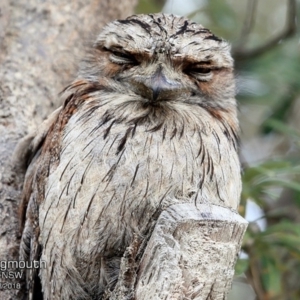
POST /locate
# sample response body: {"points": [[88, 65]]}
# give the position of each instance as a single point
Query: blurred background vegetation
{"points": [[266, 47]]}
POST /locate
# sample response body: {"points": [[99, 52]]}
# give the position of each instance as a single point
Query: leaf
{"points": [[271, 276], [283, 183], [285, 234], [262, 181], [282, 128]]}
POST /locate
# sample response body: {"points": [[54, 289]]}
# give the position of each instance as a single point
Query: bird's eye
{"points": [[121, 57], [202, 73], [201, 70]]}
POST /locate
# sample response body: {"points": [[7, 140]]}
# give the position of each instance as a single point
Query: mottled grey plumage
{"points": [[150, 121]]}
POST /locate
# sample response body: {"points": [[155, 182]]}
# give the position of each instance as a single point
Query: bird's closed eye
{"points": [[119, 56], [200, 72]]}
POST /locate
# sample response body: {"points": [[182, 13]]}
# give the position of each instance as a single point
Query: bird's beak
{"points": [[159, 84], [157, 87]]}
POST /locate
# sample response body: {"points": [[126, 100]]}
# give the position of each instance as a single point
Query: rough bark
{"points": [[191, 254], [39, 44]]}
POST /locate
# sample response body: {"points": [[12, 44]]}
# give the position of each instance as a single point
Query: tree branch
{"points": [[191, 253], [240, 53], [248, 23]]}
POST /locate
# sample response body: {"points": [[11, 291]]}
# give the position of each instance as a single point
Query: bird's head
{"points": [[162, 60]]}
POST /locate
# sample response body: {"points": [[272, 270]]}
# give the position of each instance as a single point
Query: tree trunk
{"points": [[191, 252]]}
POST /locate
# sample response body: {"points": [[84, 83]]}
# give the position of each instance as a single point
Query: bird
{"points": [[149, 121]]}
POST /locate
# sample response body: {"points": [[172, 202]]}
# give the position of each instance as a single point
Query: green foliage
{"points": [[258, 180], [271, 252], [276, 125]]}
